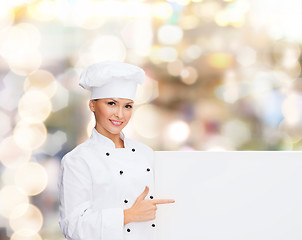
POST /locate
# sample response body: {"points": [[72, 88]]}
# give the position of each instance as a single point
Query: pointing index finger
{"points": [[163, 201]]}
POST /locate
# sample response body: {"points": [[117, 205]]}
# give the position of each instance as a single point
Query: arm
{"points": [[78, 220]]}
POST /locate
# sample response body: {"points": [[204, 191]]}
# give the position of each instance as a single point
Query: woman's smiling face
{"points": [[111, 114]]}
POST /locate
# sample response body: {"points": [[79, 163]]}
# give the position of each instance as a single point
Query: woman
{"points": [[106, 184]]}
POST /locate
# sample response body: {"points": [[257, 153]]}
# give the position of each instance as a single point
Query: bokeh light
{"points": [[10, 197], [220, 60], [25, 235], [7, 17], [42, 10], [162, 10], [41, 80], [189, 22], [170, 34], [19, 47], [31, 178], [178, 131], [30, 219], [87, 14], [11, 155], [189, 75], [34, 106], [191, 53], [30, 136], [290, 109]]}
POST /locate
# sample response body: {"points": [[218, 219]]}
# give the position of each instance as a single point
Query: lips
{"points": [[116, 123]]}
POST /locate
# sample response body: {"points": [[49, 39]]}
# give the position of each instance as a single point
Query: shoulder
{"points": [[77, 154]]}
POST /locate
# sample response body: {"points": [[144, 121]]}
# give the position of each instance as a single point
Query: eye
{"points": [[128, 106], [111, 103]]}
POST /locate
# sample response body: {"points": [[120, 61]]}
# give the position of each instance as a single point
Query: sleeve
{"points": [[78, 220]]}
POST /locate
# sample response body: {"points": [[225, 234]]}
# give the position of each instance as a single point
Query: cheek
{"points": [[128, 115], [103, 113]]}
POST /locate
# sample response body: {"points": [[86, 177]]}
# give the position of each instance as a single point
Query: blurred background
{"points": [[221, 75]]}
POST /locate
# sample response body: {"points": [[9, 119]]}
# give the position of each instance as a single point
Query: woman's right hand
{"points": [[143, 209]]}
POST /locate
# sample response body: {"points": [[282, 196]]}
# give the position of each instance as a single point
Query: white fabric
{"points": [[114, 90], [112, 79], [92, 190]]}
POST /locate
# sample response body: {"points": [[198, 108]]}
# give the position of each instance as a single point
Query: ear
{"points": [[91, 105]]}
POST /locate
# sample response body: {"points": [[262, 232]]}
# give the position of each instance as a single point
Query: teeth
{"points": [[116, 122]]}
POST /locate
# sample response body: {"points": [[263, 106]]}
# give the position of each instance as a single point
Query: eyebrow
{"points": [[116, 101]]}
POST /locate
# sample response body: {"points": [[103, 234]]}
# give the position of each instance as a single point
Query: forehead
{"points": [[120, 100]]}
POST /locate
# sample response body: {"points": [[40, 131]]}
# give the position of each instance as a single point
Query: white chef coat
{"points": [[97, 181]]}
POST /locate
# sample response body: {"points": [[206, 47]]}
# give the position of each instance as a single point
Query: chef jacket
{"points": [[97, 182]]}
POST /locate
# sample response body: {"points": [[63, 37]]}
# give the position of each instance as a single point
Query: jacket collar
{"points": [[98, 137]]}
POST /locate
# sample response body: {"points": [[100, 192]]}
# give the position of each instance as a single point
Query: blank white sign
{"points": [[229, 195]]}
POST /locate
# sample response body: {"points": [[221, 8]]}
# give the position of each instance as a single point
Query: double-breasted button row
{"points": [[128, 229], [108, 154], [121, 171], [126, 201]]}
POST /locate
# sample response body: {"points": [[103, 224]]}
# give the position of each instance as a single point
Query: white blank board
{"points": [[229, 195]]}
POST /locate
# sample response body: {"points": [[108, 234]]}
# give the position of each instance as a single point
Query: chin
{"points": [[116, 130]]}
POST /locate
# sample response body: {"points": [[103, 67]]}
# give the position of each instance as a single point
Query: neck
{"points": [[114, 137]]}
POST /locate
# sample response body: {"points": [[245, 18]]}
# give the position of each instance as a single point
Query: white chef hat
{"points": [[112, 79]]}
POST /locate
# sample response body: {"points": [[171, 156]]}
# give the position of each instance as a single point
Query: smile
{"points": [[116, 123]]}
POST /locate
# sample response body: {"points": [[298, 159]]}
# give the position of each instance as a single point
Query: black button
{"points": [[133, 150], [107, 154], [125, 200], [153, 225], [148, 169], [151, 197], [121, 172], [128, 230]]}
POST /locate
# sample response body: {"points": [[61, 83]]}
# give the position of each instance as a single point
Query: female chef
{"points": [[106, 184]]}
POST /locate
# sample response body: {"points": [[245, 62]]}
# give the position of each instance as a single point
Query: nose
{"points": [[119, 112]]}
